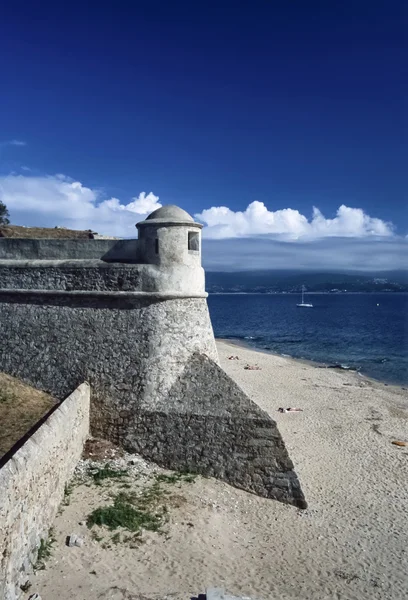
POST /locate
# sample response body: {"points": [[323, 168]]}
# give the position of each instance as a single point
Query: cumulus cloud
{"points": [[256, 238], [59, 200], [222, 222]]}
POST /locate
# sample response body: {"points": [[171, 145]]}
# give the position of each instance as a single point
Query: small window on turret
{"points": [[194, 241], [156, 245]]}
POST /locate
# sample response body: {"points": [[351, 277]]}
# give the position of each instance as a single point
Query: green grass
{"points": [[176, 478], [123, 514], [107, 472], [189, 478], [68, 489], [44, 551], [151, 495], [134, 511]]}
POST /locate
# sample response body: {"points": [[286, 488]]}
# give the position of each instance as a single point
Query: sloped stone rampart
{"points": [[32, 482], [208, 425]]}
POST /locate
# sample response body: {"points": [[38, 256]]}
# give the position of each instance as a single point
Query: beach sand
{"points": [[351, 542]]}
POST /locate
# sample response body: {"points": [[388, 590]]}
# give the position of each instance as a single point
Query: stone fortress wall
{"points": [[131, 318], [32, 485]]}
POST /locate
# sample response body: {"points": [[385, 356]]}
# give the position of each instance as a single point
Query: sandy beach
{"points": [[351, 543]]}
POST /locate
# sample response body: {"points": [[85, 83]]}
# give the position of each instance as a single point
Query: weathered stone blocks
{"points": [[207, 425], [32, 484]]}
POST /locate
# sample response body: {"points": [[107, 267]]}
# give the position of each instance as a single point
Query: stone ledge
{"points": [[159, 295], [76, 263]]}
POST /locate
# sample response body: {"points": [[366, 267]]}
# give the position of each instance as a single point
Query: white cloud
{"points": [[13, 143], [17, 143], [59, 200], [272, 239], [222, 222]]}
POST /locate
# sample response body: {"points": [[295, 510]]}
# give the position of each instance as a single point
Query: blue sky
{"points": [[275, 106]]}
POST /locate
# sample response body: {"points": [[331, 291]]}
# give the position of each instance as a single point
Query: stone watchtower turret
{"points": [[171, 239]]}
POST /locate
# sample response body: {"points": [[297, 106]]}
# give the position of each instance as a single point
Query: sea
{"points": [[364, 332]]}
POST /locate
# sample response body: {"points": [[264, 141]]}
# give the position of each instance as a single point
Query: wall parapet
{"points": [[28, 249], [175, 280], [32, 485]]}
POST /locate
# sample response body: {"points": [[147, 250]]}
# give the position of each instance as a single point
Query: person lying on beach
{"points": [[252, 368], [233, 358], [285, 410]]}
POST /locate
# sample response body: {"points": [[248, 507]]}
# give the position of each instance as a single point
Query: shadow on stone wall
{"points": [[208, 425]]}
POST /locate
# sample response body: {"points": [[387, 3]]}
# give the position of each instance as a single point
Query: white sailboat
{"points": [[303, 303]]}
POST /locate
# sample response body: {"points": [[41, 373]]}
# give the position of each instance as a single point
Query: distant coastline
{"points": [[329, 293], [291, 282]]}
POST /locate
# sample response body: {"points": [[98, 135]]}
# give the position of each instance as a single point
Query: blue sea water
{"points": [[366, 332]]}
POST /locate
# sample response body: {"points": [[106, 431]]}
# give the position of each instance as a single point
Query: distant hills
{"points": [[291, 282]]}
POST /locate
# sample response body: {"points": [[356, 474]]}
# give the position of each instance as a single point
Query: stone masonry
{"points": [[32, 484], [134, 323]]}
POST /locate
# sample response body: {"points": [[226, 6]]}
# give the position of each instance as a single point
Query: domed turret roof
{"points": [[169, 215], [170, 212]]}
